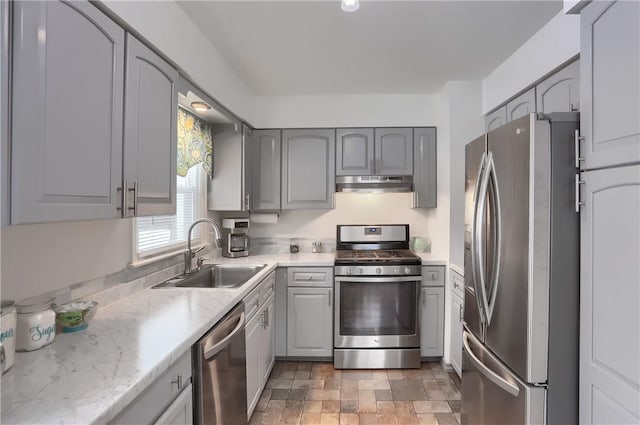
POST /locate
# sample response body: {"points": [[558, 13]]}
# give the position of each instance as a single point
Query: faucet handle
{"points": [[194, 252], [200, 262]]}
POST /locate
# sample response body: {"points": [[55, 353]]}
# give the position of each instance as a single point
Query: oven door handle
{"points": [[377, 279]]}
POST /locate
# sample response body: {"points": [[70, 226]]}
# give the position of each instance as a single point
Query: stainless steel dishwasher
{"points": [[221, 379]]}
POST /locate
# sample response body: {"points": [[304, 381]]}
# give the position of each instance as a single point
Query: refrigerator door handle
{"points": [[474, 236], [488, 373], [495, 192], [479, 269]]}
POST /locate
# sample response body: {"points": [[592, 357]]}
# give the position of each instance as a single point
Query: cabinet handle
{"points": [[178, 381], [134, 189], [423, 297], [576, 139], [578, 202], [460, 313], [329, 298], [248, 202], [123, 197]]}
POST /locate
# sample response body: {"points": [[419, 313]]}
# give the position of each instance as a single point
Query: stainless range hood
{"points": [[374, 184]]}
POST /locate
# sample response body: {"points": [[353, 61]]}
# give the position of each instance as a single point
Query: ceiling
{"points": [[313, 47]]}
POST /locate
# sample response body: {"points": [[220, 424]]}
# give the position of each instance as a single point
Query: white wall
{"points": [[169, 29], [345, 111], [467, 123], [39, 258], [351, 208], [554, 44]]}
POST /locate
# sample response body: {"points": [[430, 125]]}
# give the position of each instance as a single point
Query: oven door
{"points": [[377, 312]]}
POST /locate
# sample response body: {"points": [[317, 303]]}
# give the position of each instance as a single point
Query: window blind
{"points": [[164, 233]]}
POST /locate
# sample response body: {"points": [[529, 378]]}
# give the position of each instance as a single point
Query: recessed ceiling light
{"points": [[200, 106], [350, 5]]}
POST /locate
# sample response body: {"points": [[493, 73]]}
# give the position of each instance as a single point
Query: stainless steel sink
{"points": [[215, 276]]}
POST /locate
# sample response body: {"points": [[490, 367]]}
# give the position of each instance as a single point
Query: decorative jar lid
{"points": [[34, 304], [7, 306]]}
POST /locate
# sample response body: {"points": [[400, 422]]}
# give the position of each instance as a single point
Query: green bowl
{"points": [[75, 316]]}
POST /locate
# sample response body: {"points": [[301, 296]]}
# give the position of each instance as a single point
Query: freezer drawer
{"points": [[492, 394]]}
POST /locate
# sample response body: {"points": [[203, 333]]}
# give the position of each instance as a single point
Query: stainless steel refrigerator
{"points": [[520, 340]]}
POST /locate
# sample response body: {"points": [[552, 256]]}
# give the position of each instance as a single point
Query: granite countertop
{"points": [[91, 376]]}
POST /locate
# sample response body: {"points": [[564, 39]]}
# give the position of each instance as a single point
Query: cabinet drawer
{"points": [[259, 295], [457, 284], [310, 276], [148, 406], [433, 276]]}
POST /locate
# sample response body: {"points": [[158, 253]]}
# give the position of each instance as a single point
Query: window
{"points": [[161, 234]]}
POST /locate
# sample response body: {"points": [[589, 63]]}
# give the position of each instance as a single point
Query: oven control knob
{"points": [[359, 270], [378, 270], [349, 271], [396, 270], [407, 270]]}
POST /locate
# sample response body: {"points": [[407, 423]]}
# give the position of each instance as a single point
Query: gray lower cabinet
{"points": [[310, 312], [168, 400], [66, 148], [266, 162], [150, 136], [495, 119], [259, 338], [425, 187], [308, 168], [432, 321], [180, 412], [609, 70], [561, 91], [280, 307], [310, 322], [456, 316], [610, 296], [394, 151], [522, 105], [354, 152]]}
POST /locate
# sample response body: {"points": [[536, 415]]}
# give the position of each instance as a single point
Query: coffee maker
{"points": [[235, 237]]}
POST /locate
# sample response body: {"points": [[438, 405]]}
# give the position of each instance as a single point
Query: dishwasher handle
{"points": [[215, 349]]}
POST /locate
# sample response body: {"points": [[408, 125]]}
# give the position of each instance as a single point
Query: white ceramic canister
{"points": [[36, 323], [7, 334]]}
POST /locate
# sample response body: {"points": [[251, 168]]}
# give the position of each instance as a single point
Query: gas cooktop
{"points": [[360, 255]]}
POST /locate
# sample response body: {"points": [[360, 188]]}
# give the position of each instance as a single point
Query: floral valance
{"points": [[195, 143]]}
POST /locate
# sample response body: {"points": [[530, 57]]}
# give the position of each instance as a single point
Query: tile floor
{"points": [[316, 393]]}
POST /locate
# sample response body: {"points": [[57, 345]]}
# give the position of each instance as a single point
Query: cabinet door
{"points": [[66, 148], [609, 68], [522, 105], [610, 297], [354, 152], [280, 320], [432, 322], [425, 171], [247, 173], [394, 151], [310, 322], [254, 341], [496, 119], [456, 316], [225, 190], [561, 91], [308, 169], [269, 339], [180, 412], [150, 135], [265, 193]]}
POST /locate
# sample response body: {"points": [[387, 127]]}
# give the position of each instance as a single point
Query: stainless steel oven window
{"points": [[374, 308]]}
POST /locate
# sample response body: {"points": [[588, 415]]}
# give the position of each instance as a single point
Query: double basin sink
{"points": [[214, 276]]}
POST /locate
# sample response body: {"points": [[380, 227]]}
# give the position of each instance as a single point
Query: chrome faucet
{"points": [[189, 254]]}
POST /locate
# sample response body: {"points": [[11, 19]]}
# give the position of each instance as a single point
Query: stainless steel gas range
{"points": [[377, 287]]}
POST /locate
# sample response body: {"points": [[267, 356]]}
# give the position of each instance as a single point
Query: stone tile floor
{"points": [[316, 393]]}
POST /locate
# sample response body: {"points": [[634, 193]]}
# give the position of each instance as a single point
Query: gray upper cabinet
{"points": [[561, 91], [609, 296], [227, 190], [308, 168], [66, 148], [425, 170], [247, 152], [609, 70], [496, 119], [150, 137], [394, 151], [267, 150], [354, 152], [522, 105]]}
